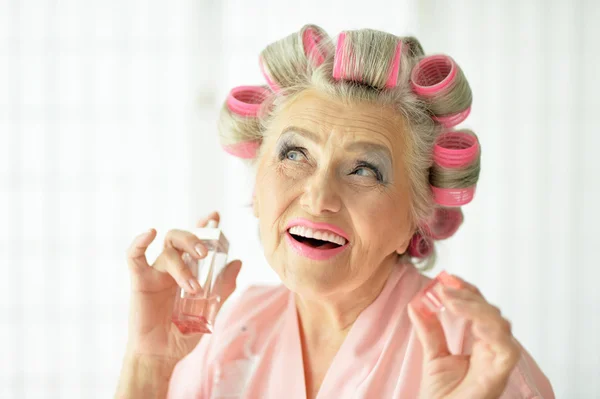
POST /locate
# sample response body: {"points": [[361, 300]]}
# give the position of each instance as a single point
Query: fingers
{"points": [[225, 282], [170, 261], [488, 325], [429, 331], [136, 253], [468, 286], [212, 216], [185, 241], [471, 306]]}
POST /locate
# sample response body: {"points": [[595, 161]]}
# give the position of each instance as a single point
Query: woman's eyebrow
{"points": [[367, 146], [293, 130], [354, 146]]}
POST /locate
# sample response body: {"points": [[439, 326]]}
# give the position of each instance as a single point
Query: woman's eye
{"points": [[364, 172], [291, 153], [294, 155], [368, 171]]}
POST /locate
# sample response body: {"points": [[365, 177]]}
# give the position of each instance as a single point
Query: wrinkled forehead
{"points": [[328, 118]]}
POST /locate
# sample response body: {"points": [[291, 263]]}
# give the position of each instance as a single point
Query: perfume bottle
{"points": [[195, 313], [428, 301]]}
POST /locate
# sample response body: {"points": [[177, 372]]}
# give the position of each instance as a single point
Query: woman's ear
{"points": [[403, 245]]}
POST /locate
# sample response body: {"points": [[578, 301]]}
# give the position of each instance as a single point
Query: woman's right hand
{"points": [[153, 290]]}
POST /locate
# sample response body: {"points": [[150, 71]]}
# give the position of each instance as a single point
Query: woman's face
{"points": [[340, 168]]}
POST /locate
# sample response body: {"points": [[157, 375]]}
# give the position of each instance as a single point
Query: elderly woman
{"points": [[359, 169]]}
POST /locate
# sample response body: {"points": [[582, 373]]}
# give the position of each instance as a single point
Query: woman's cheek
{"points": [[276, 193], [291, 172], [273, 178], [374, 215]]}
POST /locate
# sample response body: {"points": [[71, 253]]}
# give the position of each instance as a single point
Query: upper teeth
{"points": [[317, 234]]}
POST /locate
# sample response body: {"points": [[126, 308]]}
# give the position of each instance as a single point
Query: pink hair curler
{"points": [[395, 70], [244, 150], [310, 41], [420, 246], [267, 77], [451, 120], [433, 74], [341, 59], [455, 149], [453, 196], [315, 54], [444, 223], [428, 301], [246, 100]]}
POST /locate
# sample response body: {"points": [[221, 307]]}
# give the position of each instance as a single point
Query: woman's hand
{"points": [[151, 332], [484, 373]]}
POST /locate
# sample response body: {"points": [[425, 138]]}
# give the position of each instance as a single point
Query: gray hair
{"points": [[288, 64]]}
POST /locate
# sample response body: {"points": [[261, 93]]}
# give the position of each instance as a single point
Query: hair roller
{"points": [[441, 82], [246, 100], [311, 42], [452, 119], [420, 246], [274, 86], [453, 196], [342, 60], [351, 65], [455, 149], [443, 223], [243, 105], [313, 46], [456, 166], [244, 150]]}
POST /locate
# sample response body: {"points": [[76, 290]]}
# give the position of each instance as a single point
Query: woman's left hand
{"points": [[484, 373]]}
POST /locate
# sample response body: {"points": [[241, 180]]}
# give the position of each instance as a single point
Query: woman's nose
{"points": [[321, 194]]}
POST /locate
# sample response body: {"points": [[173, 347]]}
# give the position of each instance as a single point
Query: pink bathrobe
{"points": [[255, 351]]}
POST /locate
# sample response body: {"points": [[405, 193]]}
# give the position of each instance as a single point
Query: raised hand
{"points": [[484, 373], [153, 289]]}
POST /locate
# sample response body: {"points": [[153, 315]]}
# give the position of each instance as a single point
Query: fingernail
{"points": [[189, 260], [236, 268], [194, 284], [486, 330], [457, 303], [451, 291], [200, 250], [483, 330], [185, 284], [449, 280]]}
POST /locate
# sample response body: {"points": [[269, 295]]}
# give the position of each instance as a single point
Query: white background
{"points": [[108, 116]]}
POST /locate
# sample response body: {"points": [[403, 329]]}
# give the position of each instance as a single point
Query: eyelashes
{"points": [[286, 147], [368, 165]]}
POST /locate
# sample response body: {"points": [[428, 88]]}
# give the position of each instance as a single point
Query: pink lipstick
{"points": [[316, 241]]}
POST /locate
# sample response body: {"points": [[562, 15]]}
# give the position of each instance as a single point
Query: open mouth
{"points": [[314, 242], [317, 239]]}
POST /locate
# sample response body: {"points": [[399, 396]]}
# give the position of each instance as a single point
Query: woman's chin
{"points": [[310, 278]]}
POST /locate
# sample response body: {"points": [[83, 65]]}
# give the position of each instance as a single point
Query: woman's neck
{"points": [[327, 320], [324, 324]]}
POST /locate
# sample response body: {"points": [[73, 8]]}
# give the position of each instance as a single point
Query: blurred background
{"points": [[108, 115]]}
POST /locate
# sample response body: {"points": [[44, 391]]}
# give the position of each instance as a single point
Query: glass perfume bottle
{"points": [[195, 313]]}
